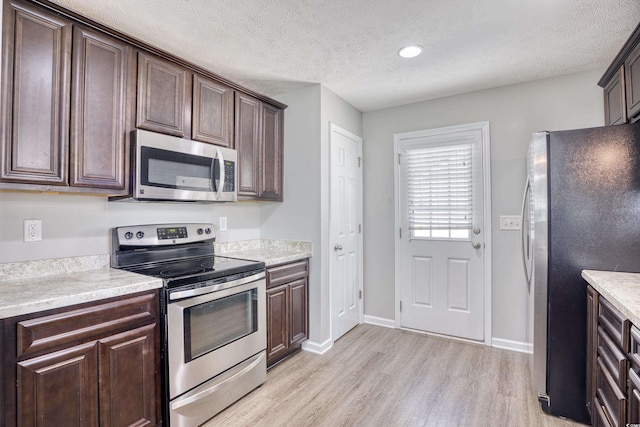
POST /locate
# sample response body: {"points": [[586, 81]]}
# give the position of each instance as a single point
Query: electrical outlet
{"points": [[510, 222], [32, 230], [223, 223]]}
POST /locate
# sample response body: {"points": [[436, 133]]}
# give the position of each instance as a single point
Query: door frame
{"points": [[486, 165], [337, 129]]}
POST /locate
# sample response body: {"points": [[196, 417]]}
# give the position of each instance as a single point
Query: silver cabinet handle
{"points": [[337, 247], [476, 245]]}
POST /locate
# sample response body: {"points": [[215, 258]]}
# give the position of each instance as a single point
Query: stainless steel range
{"points": [[214, 316]]}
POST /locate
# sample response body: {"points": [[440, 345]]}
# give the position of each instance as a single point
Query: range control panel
{"points": [[163, 234]]}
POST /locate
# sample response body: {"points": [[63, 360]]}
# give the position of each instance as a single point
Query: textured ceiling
{"points": [[275, 46]]}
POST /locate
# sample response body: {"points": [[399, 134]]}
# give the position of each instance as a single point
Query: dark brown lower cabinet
{"points": [[91, 365], [613, 370], [287, 310]]}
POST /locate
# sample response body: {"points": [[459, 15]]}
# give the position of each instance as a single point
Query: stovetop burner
{"points": [[178, 253]]}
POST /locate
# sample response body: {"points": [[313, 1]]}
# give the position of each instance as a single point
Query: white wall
{"points": [[74, 225], [514, 112], [304, 214], [298, 216]]}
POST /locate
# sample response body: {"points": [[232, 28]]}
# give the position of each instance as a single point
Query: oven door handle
{"points": [[214, 288], [230, 377]]}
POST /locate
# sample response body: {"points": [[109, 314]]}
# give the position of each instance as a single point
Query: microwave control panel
{"points": [[229, 175]]}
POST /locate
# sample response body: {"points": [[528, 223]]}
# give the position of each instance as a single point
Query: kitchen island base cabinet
{"points": [[287, 310], [613, 382], [90, 365]]}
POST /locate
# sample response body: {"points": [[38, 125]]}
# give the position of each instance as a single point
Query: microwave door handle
{"points": [[222, 177]]}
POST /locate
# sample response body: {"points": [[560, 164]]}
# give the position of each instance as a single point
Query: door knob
{"points": [[476, 245], [337, 247], [476, 230]]}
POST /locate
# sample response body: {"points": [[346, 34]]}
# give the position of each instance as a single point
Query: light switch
{"points": [[510, 222], [223, 223]]}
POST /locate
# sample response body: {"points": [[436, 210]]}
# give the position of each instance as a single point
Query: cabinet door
{"points": [[36, 56], [98, 111], [592, 347], [128, 378], [298, 330], [632, 82], [212, 112], [277, 323], [247, 139], [161, 96], [615, 110], [634, 398], [271, 153], [59, 389]]}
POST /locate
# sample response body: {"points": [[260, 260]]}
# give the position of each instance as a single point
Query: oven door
{"points": [[212, 332]]}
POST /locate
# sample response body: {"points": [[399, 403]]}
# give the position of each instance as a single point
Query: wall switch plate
{"points": [[510, 222], [32, 230], [223, 223]]}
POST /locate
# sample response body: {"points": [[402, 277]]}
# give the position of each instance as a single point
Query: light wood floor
{"points": [[376, 376]]}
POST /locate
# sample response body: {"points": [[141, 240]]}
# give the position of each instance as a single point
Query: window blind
{"points": [[440, 190]]}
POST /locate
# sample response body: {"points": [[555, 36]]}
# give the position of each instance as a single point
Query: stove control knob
{"points": [[128, 235], [207, 230], [139, 234], [200, 231]]}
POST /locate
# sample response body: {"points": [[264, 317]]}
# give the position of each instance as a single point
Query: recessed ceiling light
{"points": [[410, 51]]}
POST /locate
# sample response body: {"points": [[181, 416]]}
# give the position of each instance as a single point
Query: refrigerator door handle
{"points": [[524, 235]]}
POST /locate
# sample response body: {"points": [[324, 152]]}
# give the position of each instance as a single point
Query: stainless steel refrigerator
{"points": [[581, 210]]}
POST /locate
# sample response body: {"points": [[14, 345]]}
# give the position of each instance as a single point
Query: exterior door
{"points": [[345, 231], [441, 236]]}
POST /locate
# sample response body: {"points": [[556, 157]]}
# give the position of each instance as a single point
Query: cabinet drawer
{"points": [[615, 323], [81, 325], [287, 273], [600, 419], [613, 358], [610, 395], [634, 347], [634, 398]]}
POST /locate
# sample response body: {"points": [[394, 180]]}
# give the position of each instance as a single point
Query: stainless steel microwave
{"points": [[168, 168]]}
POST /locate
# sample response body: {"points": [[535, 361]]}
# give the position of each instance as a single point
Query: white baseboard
{"points": [[522, 347], [317, 348], [380, 321]]}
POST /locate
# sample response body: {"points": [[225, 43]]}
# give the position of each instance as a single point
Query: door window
{"points": [[440, 191]]}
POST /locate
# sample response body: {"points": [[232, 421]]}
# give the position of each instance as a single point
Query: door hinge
{"points": [[401, 232], [400, 305], [359, 161], [360, 228], [399, 157], [360, 294]]}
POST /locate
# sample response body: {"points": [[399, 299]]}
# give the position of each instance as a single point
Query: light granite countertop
{"points": [[271, 252], [620, 289], [33, 286]]}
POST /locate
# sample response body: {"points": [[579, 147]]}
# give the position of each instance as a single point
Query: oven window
{"points": [[214, 324], [168, 169]]}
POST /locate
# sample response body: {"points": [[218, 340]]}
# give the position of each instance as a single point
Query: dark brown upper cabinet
{"points": [[632, 81], [621, 84], [271, 153], [212, 113], [162, 90], [615, 111], [99, 137], [248, 123], [36, 58], [259, 141]]}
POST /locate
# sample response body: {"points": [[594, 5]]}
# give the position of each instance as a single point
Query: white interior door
{"points": [[442, 231], [345, 230]]}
